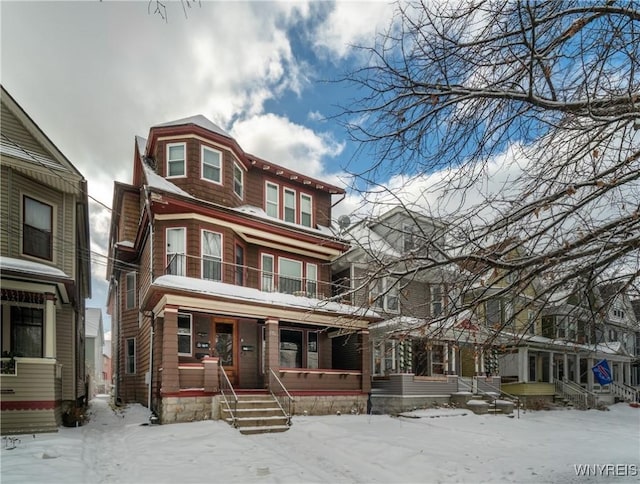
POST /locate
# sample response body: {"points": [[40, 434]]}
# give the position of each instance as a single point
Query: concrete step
{"points": [[263, 429], [260, 421]]}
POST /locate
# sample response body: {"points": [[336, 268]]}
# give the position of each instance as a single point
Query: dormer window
{"points": [[176, 160], [211, 164], [238, 180], [305, 210], [289, 206]]}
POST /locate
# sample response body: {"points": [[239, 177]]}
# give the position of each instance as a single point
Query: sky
{"points": [[432, 446], [94, 74]]}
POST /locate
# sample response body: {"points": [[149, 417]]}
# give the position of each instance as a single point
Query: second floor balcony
{"points": [[289, 282]]}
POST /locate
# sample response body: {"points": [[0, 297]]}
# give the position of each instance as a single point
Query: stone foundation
{"points": [[187, 409], [329, 404], [395, 404]]}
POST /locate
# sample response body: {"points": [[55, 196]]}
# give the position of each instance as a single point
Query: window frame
{"points": [[388, 289], [238, 169], [267, 275], [500, 313], [311, 292], [302, 350], [188, 334], [286, 190], [131, 291], [310, 213], [21, 323], [239, 275], [267, 202], [300, 278], [204, 148], [50, 256], [169, 160], [433, 302], [130, 357], [408, 237], [210, 257], [184, 254]]}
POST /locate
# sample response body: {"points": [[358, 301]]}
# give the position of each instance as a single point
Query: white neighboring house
{"points": [[94, 337]]}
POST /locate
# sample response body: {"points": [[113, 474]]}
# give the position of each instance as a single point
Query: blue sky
{"points": [[94, 74]]}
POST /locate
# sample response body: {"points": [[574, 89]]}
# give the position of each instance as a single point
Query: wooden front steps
{"points": [[256, 414]]}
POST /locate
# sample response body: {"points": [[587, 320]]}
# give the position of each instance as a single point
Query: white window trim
{"points": [[301, 277], [190, 334], [306, 195], [126, 356], [262, 272], [135, 282], [284, 205], [266, 198], [184, 146], [202, 255], [241, 170], [381, 299], [308, 279], [166, 244], [54, 222], [202, 163]]}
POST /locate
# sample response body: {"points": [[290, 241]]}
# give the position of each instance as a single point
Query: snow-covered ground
{"points": [[442, 446]]}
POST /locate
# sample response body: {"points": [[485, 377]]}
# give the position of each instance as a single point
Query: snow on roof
{"points": [[156, 181], [125, 243], [142, 144], [92, 322], [198, 120], [362, 236], [260, 213], [10, 148], [30, 267], [242, 293]]}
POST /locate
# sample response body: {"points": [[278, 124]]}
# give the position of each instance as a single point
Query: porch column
{"points": [[50, 325], [170, 372], [523, 364], [454, 371], [589, 374], [272, 341], [446, 358], [550, 366], [482, 361], [366, 361], [577, 378], [627, 373], [476, 362], [565, 366]]}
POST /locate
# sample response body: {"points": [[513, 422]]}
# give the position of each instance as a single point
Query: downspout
{"points": [[152, 325], [117, 342]]}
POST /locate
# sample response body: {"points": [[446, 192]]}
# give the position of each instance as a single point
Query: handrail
{"points": [[575, 393], [287, 396], [501, 392], [225, 383], [625, 391]]}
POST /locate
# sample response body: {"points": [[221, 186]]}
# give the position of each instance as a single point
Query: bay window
{"points": [[238, 180], [176, 255], [211, 255], [27, 331]]}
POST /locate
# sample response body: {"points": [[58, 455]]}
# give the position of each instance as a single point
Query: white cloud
{"points": [[285, 143]]}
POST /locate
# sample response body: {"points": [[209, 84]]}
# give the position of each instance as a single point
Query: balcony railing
{"points": [[240, 275]]}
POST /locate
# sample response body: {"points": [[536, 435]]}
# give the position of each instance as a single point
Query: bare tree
{"points": [[516, 122]]}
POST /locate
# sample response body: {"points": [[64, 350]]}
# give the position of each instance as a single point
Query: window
{"points": [[436, 300], [267, 273], [290, 276], [176, 159], [130, 357], [37, 229], [561, 328], [176, 257], [493, 310], [184, 334], [131, 290], [238, 183], [618, 313], [548, 327], [211, 256], [613, 335], [290, 348], [312, 280], [305, 210], [27, 332], [408, 237], [531, 323], [384, 294], [211, 165], [289, 206], [239, 265], [312, 349], [271, 204]]}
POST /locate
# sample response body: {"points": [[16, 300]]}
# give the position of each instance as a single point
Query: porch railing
{"points": [[625, 392], [577, 395], [213, 269], [228, 393], [500, 392], [281, 394]]}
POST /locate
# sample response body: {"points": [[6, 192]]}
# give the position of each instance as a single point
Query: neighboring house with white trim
{"points": [[94, 343], [45, 276]]}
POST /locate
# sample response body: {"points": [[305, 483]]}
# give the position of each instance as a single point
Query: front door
{"points": [[225, 347]]}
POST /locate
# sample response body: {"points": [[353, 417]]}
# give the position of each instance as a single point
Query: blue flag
{"points": [[602, 372]]}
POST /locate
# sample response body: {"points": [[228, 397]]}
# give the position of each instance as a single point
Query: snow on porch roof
{"points": [[29, 267], [241, 293]]}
